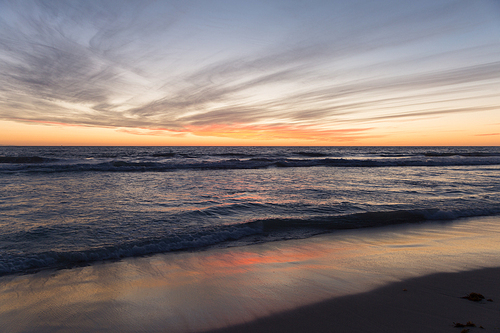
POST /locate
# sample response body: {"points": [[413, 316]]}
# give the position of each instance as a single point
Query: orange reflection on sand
{"points": [[242, 259]]}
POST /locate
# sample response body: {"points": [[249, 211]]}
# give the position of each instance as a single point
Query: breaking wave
{"points": [[38, 164], [250, 232]]}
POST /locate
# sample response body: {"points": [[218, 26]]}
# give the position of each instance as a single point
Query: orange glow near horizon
{"points": [[40, 133], [267, 133]]}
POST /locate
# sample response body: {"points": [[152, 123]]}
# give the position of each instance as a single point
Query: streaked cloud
{"points": [[488, 134], [232, 69]]}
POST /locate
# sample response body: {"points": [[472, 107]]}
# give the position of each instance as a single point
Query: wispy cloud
{"points": [[150, 67], [488, 134], [263, 132]]}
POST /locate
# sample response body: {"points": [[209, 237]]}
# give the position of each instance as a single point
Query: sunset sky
{"points": [[274, 72]]}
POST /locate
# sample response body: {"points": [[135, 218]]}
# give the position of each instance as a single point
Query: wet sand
{"points": [[432, 303], [349, 281]]}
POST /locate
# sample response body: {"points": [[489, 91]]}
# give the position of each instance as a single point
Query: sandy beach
{"points": [[349, 281], [432, 303]]}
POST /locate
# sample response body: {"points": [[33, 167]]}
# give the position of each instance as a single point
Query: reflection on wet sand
{"points": [[180, 292]]}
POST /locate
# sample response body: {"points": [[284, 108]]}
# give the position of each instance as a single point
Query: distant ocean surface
{"points": [[62, 207]]}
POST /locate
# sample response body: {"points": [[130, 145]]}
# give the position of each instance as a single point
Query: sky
{"points": [[274, 72]]}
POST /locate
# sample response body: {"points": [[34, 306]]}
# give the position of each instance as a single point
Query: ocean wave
{"points": [[247, 233], [462, 154], [25, 159], [33, 164], [240, 155], [13, 263], [164, 154], [311, 154]]}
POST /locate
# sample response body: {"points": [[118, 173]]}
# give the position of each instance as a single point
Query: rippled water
{"points": [[66, 206]]}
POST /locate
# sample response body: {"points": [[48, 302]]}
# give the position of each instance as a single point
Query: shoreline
{"points": [[270, 284], [431, 303]]}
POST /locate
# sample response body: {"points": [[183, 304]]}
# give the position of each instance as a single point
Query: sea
{"points": [[63, 207]]}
